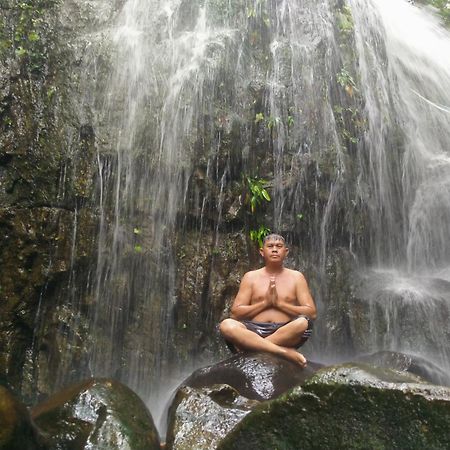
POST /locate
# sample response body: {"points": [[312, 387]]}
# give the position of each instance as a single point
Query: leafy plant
{"points": [[345, 17], [259, 117], [259, 235], [272, 121], [346, 81], [258, 192]]}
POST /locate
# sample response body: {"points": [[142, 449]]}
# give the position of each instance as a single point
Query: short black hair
{"points": [[274, 237]]}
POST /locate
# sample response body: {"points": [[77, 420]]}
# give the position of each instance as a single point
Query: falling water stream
{"points": [[174, 61], [404, 58]]}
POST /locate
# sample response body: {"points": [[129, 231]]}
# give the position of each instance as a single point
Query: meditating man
{"points": [[273, 310]]}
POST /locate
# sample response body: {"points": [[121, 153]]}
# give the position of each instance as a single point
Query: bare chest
{"points": [[285, 290]]}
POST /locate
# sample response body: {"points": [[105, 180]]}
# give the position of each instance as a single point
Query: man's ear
{"points": [[261, 252], [287, 250]]}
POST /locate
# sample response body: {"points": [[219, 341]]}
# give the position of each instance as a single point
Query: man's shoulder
{"points": [[254, 272], [251, 274], [295, 274]]}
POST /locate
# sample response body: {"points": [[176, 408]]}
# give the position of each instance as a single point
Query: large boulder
{"points": [[200, 418], [350, 406], [257, 376], [17, 431], [97, 414]]}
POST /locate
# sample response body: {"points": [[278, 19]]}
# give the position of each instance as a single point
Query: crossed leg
{"points": [[282, 342]]}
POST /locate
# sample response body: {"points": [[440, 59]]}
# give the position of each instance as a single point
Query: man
{"points": [[273, 310]]}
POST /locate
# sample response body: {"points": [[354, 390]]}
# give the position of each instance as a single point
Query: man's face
{"points": [[274, 250]]}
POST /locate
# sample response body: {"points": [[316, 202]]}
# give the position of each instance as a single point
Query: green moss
{"points": [[346, 409], [443, 7]]}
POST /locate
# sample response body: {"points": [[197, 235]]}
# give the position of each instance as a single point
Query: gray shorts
{"points": [[265, 329]]}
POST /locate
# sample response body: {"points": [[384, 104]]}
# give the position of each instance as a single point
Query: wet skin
{"points": [[271, 294]]}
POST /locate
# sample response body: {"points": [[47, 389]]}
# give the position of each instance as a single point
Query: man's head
{"points": [[273, 237], [274, 248]]}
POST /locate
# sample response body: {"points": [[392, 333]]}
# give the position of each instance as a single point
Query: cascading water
{"points": [[404, 58], [153, 101], [201, 92]]}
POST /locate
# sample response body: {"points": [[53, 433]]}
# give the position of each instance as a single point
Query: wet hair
{"points": [[274, 237]]}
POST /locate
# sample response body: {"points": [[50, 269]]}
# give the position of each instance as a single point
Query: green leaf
{"points": [[265, 194], [259, 117], [33, 36], [20, 51]]}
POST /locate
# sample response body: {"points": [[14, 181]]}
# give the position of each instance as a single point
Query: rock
{"points": [[257, 376], [200, 418], [17, 431], [407, 363], [97, 413], [350, 406]]}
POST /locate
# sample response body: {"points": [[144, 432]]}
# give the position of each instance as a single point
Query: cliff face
{"points": [[47, 153], [137, 141]]}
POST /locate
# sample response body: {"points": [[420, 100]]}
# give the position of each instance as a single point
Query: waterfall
{"points": [[337, 104], [404, 60]]}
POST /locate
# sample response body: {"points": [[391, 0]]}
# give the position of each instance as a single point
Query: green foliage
{"points": [[344, 78], [351, 118], [258, 192], [346, 81], [444, 9], [259, 235], [272, 122], [27, 37], [259, 117], [345, 17]]}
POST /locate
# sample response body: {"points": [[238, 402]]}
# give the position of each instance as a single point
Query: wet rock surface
{"points": [[17, 431], [200, 418], [257, 376], [350, 406], [97, 413], [407, 363]]}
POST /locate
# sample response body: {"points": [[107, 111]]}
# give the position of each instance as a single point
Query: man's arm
{"points": [[242, 309], [305, 301]]}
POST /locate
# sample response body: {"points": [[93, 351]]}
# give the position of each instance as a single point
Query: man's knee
{"points": [[301, 324], [227, 326]]}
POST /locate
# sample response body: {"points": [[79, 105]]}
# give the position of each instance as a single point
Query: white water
{"points": [[172, 61], [404, 57]]}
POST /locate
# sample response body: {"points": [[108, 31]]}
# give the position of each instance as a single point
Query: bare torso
{"points": [[286, 289]]}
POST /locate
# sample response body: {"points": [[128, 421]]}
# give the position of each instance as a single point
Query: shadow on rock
{"points": [[17, 431]]}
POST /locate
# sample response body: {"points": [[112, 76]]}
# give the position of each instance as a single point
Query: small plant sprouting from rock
{"points": [[258, 235], [346, 81], [258, 192], [257, 195]]}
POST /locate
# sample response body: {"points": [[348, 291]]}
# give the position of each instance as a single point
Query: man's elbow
{"points": [[313, 314], [237, 313]]}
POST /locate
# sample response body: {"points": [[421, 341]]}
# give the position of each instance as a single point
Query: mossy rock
{"points": [[350, 406], [17, 431], [97, 413]]}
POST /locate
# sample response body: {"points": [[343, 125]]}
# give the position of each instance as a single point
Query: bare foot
{"points": [[294, 356]]}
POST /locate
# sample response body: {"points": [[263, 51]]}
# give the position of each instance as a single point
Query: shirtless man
{"points": [[273, 310]]}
